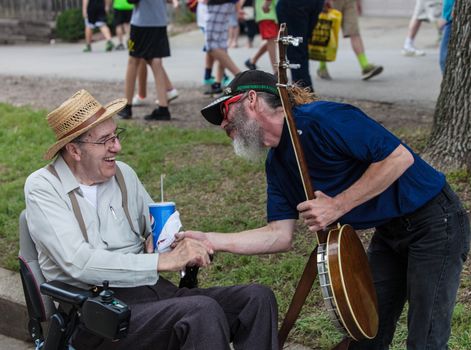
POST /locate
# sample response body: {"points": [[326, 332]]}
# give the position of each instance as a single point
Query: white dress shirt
{"points": [[114, 252]]}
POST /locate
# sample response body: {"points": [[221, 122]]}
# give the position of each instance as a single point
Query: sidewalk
{"points": [[409, 80]]}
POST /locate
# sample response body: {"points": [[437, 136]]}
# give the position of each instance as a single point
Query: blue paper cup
{"points": [[159, 214]]}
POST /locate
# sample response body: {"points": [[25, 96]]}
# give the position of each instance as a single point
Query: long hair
{"points": [[298, 96], [301, 95]]}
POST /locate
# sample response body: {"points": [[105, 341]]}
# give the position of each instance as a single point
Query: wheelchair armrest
{"points": [[64, 292]]}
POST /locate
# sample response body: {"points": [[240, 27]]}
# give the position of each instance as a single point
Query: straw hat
{"points": [[79, 113]]}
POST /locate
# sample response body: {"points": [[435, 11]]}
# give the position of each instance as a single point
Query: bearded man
{"points": [[364, 176]]}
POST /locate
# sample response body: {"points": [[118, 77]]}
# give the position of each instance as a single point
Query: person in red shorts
{"points": [[265, 16]]}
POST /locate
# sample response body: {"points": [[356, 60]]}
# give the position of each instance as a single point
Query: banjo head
{"points": [[352, 283]]}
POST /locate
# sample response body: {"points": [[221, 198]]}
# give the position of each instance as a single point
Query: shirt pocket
{"points": [[118, 233]]}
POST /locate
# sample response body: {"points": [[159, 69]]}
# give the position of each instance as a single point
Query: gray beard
{"points": [[247, 143], [248, 140], [249, 152]]}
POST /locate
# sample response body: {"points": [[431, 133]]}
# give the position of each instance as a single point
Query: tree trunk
{"points": [[449, 147]]}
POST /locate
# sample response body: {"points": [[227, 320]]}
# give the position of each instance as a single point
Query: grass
{"points": [[213, 190]]}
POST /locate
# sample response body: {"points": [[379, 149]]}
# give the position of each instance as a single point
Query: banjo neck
{"points": [[283, 88]]}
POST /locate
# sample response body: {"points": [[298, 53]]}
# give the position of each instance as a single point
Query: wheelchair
{"points": [[64, 307]]}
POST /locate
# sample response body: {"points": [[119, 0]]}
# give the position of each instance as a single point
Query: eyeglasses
{"points": [[109, 142], [225, 105]]}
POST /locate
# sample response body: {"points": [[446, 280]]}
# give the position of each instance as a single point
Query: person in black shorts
{"points": [[149, 41], [94, 15]]}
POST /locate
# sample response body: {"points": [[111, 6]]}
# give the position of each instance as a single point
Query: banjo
{"points": [[339, 258]]}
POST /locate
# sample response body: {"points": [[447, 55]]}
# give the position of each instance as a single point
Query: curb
{"points": [[14, 315]]}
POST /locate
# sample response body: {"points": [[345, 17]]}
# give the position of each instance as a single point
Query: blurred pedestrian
{"points": [[140, 98], [216, 36], [265, 16], [149, 41], [423, 11], [301, 17], [248, 23], [234, 30], [447, 18], [122, 12], [94, 14], [350, 29]]}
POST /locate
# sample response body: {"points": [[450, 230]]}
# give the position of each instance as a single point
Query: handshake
{"points": [[179, 253]]}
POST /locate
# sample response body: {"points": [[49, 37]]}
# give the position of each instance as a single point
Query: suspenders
{"points": [[76, 208]]}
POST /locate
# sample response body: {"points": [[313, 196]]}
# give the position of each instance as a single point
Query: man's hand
{"points": [[187, 252], [149, 244], [197, 235], [320, 212]]}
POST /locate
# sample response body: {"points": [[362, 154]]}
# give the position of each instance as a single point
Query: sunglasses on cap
{"points": [[225, 105]]}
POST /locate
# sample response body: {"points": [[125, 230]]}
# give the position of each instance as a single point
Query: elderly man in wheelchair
{"points": [[86, 231]]}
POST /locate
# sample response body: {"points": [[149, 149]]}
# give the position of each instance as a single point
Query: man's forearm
{"points": [[376, 179], [272, 238]]}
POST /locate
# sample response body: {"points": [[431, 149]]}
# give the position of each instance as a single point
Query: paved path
{"points": [[404, 80]]}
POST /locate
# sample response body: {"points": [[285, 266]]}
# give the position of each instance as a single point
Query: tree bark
{"points": [[449, 147]]}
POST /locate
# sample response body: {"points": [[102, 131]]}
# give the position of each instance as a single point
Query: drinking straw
{"points": [[162, 187]]}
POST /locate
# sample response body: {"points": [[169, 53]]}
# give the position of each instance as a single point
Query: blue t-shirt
{"points": [[339, 142]]}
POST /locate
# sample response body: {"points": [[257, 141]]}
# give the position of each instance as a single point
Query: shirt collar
{"points": [[68, 180]]}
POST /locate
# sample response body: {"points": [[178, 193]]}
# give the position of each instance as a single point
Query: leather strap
{"points": [[75, 205], [124, 196], [86, 123], [302, 291]]}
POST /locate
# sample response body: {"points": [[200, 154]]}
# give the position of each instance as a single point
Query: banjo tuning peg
{"points": [[286, 65], [291, 40]]}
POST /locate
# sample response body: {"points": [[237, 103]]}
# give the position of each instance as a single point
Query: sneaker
{"points": [[88, 48], [250, 65], [109, 46], [370, 71], [412, 52], [171, 95], [138, 100], [215, 88], [126, 112], [324, 74], [209, 81], [160, 113], [120, 47]]}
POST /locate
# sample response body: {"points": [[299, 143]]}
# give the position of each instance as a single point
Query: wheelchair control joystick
{"points": [[105, 315], [106, 294]]}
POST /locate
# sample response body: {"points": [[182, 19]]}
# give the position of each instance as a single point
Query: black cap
{"points": [[249, 80]]}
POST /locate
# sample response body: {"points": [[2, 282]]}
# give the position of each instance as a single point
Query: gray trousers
{"points": [[166, 317]]}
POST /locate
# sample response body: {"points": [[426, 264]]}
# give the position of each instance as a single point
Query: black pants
{"points": [[418, 258], [166, 317], [301, 17]]}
